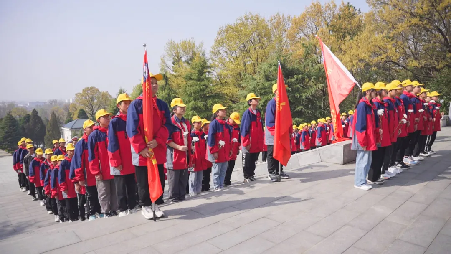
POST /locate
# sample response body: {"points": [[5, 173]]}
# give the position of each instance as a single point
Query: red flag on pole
{"points": [[340, 84], [155, 188], [283, 122]]}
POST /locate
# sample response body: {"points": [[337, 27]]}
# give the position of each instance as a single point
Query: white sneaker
{"points": [[364, 187], [158, 213], [389, 174], [147, 213], [57, 219], [28, 192], [24, 189], [41, 203], [49, 212], [399, 170], [393, 170], [122, 214], [424, 154], [430, 153], [418, 158], [217, 189]]}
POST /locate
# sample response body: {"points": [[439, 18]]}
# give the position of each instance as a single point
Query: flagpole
{"points": [[153, 202], [279, 163]]}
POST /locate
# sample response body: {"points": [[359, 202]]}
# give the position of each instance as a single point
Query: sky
{"points": [[53, 49]]}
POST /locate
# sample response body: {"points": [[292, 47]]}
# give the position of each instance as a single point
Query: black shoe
{"points": [[82, 218], [284, 175], [252, 178]]}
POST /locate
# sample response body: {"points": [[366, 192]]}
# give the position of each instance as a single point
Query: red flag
{"points": [[155, 188], [283, 122], [340, 84]]}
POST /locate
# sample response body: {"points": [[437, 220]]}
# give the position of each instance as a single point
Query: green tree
{"points": [[9, 133], [52, 130], [19, 112], [91, 99], [68, 117], [136, 91], [81, 114], [24, 125], [37, 128]]}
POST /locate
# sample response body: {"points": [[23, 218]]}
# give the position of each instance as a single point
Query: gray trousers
{"points": [[108, 200], [195, 182], [177, 183]]}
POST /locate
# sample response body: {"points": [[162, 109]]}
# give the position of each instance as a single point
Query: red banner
{"points": [[155, 187], [283, 122]]}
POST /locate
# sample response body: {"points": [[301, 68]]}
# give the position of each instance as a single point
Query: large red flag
{"points": [[155, 188], [340, 84], [283, 123]]}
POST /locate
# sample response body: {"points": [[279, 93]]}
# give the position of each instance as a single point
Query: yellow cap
{"points": [[328, 118], [54, 141], [88, 123], [313, 122], [60, 157], [301, 126], [350, 112], [406, 82], [178, 102], [217, 107], [54, 158], [236, 117], [156, 76], [251, 96], [392, 86], [70, 147], [100, 113], [344, 114], [123, 97], [380, 86], [23, 139], [196, 119], [434, 94], [28, 140], [39, 151], [204, 121], [416, 83], [48, 151], [367, 86], [19, 143], [30, 146], [294, 127], [62, 140], [396, 82], [423, 90], [274, 87]]}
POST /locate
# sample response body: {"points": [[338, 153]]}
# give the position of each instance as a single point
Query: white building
{"points": [[72, 129]]}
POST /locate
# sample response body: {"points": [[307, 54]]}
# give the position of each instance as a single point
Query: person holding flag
{"points": [[135, 128], [278, 123]]}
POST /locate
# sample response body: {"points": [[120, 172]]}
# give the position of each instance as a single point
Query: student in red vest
{"points": [[380, 157], [207, 172], [436, 120], [140, 148], [293, 138], [428, 126], [99, 165], [402, 127], [56, 192], [330, 129], [298, 137], [81, 176], [350, 121], [34, 174], [423, 124], [67, 188], [234, 122], [61, 150], [394, 124], [251, 132], [21, 152], [45, 167], [55, 145], [304, 140], [178, 152], [120, 155], [198, 147], [26, 166], [418, 121], [363, 139], [219, 145], [344, 124], [312, 134], [48, 187], [322, 136]]}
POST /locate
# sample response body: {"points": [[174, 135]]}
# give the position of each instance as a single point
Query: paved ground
{"points": [[317, 211]]}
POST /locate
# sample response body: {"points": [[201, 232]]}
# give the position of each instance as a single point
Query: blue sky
{"points": [[53, 49]]}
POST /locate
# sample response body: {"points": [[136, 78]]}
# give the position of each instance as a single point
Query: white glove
{"points": [[432, 101], [195, 139], [235, 140], [185, 133], [205, 136], [437, 107], [380, 112], [426, 104], [403, 120], [421, 110], [410, 110], [405, 116], [221, 143], [343, 126]]}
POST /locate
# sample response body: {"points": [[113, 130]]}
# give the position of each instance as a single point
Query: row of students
{"points": [[390, 129]]}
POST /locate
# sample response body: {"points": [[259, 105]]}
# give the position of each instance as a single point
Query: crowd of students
{"points": [[105, 173], [393, 128]]}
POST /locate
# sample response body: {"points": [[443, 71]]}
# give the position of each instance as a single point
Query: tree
{"points": [[136, 91], [24, 125], [6, 107], [9, 133], [19, 112], [52, 130], [37, 128], [91, 99], [68, 117], [81, 114]]}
